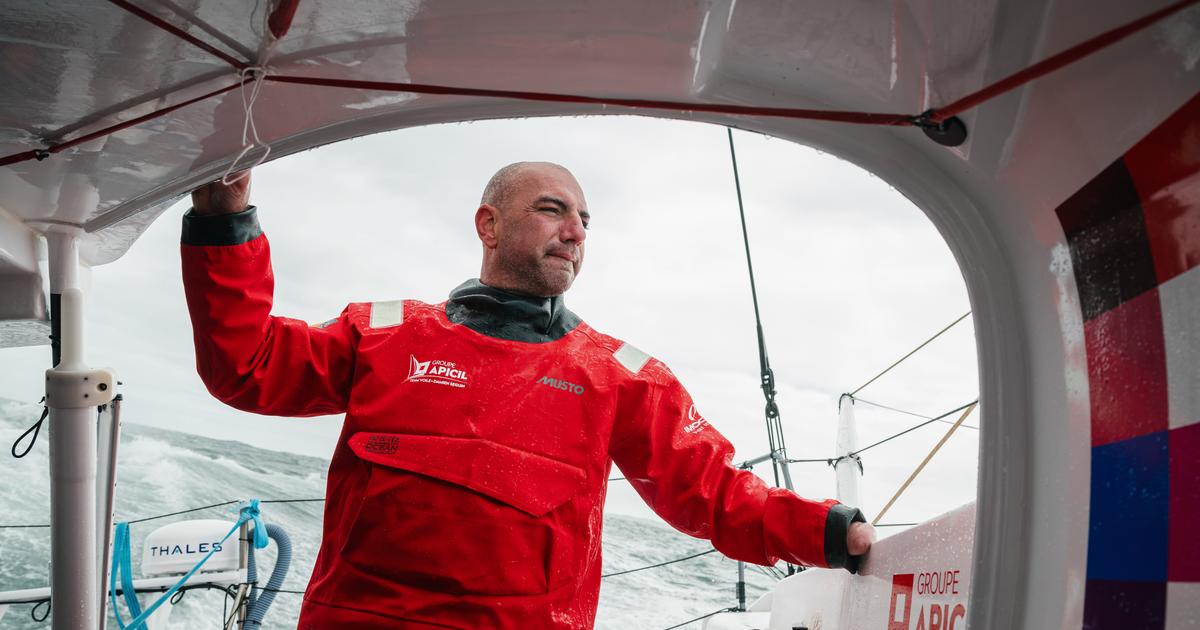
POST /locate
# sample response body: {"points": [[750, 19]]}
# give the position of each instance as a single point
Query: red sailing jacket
{"points": [[467, 487]]}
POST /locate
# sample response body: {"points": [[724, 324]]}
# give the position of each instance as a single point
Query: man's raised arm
{"points": [[681, 466], [246, 357]]}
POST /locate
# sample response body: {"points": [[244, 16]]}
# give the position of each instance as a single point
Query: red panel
{"points": [[1127, 370], [1165, 167], [1183, 561], [900, 610]]}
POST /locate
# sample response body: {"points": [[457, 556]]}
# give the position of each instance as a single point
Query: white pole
{"points": [[108, 437], [848, 469], [72, 394]]}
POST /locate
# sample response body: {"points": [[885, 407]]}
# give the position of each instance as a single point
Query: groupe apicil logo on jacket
{"points": [[443, 372], [436, 371], [449, 373]]}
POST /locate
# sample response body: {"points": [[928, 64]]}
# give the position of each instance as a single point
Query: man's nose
{"points": [[572, 229]]}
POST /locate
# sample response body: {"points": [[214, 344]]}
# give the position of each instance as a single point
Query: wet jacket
{"points": [[467, 486]]}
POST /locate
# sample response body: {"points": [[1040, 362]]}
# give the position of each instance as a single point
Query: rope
{"points": [[711, 614], [660, 564], [255, 76], [921, 466], [914, 351]]}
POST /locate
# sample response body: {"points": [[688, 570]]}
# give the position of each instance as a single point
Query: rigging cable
{"points": [[854, 454], [774, 425], [914, 351], [908, 413], [659, 564], [932, 121], [711, 614], [914, 427]]}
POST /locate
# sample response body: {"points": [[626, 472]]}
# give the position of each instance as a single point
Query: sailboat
{"points": [[1054, 144]]}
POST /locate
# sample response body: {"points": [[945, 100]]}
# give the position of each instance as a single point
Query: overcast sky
{"points": [[851, 276]]}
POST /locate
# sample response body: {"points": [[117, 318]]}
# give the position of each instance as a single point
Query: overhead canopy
{"points": [[76, 70]]}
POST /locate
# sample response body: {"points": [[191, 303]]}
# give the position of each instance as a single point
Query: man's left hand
{"points": [[859, 538]]}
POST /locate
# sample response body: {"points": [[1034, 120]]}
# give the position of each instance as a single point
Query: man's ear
{"points": [[486, 219]]}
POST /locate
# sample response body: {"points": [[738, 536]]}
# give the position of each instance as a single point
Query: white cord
{"points": [[255, 75]]}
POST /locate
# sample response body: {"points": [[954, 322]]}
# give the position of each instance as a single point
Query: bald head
{"points": [[532, 220], [503, 186]]}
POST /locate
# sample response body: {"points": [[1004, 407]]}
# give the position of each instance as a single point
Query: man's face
{"points": [[540, 232]]}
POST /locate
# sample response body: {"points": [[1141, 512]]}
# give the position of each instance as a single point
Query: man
{"points": [[467, 487]]}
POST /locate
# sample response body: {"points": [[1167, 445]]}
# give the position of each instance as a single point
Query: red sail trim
{"points": [[178, 32], [63, 146], [867, 118], [281, 17], [1055, 62]]}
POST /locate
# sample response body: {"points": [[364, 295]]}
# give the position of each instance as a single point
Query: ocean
{"points": [[164, 471]]}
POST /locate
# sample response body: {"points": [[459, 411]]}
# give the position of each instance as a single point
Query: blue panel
{"points": [[1127, 538]]}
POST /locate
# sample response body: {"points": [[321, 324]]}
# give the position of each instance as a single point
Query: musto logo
{"points": [[695, 420], [561, 384], [439, 372], [929, 591]]}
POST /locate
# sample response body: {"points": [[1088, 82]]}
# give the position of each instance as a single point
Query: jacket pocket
{"points": [[462, 515]]}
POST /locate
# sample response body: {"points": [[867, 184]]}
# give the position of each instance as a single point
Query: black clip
{"points": [[951, 132]]}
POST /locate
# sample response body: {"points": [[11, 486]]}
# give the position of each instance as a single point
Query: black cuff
{"points": [[837, 523], [220, 229]]}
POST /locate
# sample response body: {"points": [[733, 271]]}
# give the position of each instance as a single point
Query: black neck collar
{"points": [[504, 315]]}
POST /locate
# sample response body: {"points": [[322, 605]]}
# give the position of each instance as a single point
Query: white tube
{"points": [[74, 579], [848, 470], [63, 257], [71, 331], [108, 437]]}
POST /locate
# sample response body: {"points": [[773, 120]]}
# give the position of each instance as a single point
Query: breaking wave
{"points": [[164, 471]]}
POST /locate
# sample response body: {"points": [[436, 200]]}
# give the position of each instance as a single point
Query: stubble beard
{"points": [[537, 274]]}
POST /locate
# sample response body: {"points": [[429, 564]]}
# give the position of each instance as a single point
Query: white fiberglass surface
{"points": [[851, 276]]}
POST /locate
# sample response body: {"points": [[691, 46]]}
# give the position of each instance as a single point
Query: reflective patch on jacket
{"points": [[387, 314], [631, 358]]}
